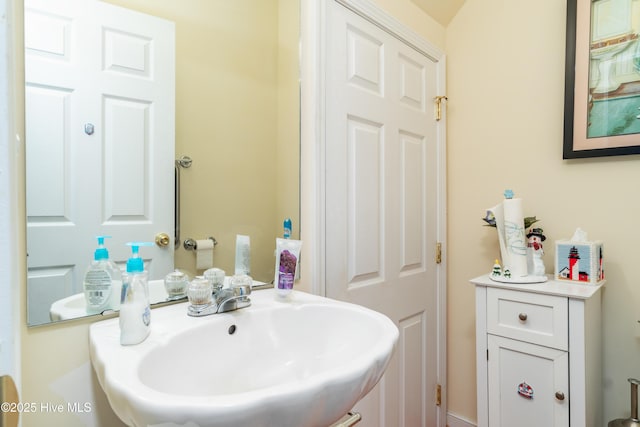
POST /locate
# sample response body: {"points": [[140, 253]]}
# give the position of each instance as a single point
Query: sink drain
{"points": [[232, 329]]}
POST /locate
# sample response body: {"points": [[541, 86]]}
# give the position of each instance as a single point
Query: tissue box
{"points": [[579, 262]]}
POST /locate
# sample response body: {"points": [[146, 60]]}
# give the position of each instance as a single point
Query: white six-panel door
{"points": [[382, 203], [100, 84]]}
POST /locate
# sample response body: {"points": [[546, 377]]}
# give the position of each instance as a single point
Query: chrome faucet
{"points": [[223, 300]]}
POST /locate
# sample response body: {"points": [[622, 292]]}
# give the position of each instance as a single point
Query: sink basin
{"points": [[300, 363]]}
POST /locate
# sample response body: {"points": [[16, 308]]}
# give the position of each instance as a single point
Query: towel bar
{"points": [[182, 162]]}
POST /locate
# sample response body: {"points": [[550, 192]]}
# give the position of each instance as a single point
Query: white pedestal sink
{"points": [[300, 363]]}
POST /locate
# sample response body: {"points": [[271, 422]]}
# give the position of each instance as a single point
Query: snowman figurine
{"points": [[535, 265]]}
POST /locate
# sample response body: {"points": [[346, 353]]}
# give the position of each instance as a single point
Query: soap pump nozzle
{"points": [[101, 252], [135, 264], [287, 228]]}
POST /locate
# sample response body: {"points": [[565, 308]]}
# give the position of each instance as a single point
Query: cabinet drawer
{"points": [[535, 318]]}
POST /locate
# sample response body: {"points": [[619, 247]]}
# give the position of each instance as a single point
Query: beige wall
{"points": [[505, 86], [227, 123], [414, 18], [288, 132]]}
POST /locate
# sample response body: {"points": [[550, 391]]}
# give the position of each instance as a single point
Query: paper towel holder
{"points": [[191, 245]]}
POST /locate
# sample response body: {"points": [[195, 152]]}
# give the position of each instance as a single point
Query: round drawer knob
{"points": [[522, 317], [559, 395]]}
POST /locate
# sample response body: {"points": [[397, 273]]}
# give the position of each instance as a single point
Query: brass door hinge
{"points": [[438, 253], [438, 395], [438, 101]]}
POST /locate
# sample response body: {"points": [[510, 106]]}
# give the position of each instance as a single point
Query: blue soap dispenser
{"points": [[102, 281], [135, 311]]}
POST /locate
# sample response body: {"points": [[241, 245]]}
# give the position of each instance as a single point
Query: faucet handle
{"points": [[241, 285], [242, 290]]}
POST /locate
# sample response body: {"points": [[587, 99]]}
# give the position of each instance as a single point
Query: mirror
{"points": [[236, 115]]}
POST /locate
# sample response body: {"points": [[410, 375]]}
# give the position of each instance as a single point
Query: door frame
{"points": [[312, 156], [12, 205]]}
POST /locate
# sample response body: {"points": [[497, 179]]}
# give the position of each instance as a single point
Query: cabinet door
{"points": [[528, 384]]}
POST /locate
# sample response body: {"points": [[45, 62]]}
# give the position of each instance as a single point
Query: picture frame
{"points": [[602, 79]]}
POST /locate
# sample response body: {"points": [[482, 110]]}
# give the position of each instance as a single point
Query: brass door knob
{"points": [[559, 395], [162, 239]]}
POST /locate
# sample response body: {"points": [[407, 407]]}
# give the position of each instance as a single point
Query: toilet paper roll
{"points": [[204, 254], [514, 235]]}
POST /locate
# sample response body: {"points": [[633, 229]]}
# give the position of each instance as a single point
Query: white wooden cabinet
{"points": [[538, 354]]}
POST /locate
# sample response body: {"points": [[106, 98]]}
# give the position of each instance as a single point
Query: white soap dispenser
{"points": [[102, 281], [135, 312]]}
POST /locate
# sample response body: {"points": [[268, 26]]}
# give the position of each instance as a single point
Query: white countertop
{"points": [[550, 287]]}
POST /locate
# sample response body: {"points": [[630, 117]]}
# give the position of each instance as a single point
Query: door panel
{"points": [[413, 203], [364, 143], [381, 197], [412, 356], [48, 109]]}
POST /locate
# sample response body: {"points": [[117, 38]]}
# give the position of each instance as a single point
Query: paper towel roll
{"points": [[204, 254], [515, 238]]}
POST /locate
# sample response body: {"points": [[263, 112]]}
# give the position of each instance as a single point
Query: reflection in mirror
{"points": [[101, 149]]}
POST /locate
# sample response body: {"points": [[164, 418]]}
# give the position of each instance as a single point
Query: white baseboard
{"points": [[457, 421]]}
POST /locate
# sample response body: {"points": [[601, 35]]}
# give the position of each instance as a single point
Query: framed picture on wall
{"points": [[602, 79]]}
